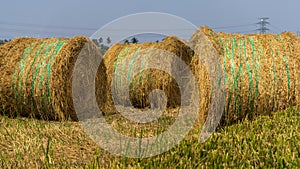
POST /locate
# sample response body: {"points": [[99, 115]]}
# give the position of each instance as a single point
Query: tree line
{"points": [[3, 41], [99, 42], [105, 46]]}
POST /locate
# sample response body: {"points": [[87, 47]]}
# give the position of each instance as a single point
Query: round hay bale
{"points": [[10, 55], [142, 83], [38, 78], [261, 72]]}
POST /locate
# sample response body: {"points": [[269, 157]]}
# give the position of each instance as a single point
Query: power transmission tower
{"points": [[263, 23]]}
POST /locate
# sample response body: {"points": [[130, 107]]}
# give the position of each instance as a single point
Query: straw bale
{"points": [[145, 82], [261, 72], [37, 79]]}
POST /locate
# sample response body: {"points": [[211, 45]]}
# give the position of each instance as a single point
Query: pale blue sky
{"points": [[67, 18]]}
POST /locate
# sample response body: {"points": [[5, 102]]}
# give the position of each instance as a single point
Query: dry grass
{"points": [[267, 142]]}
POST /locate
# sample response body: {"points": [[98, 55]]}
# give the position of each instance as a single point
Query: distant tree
{"points": [[157, 41], [134, 40], [4, 41], [108, 40], [103, 49], [100, 40], [96, 42], [126, 41]]}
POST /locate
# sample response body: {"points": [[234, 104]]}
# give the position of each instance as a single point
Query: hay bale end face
{"points": [[37, 76]]}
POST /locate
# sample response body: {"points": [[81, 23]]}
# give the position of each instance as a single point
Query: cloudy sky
{"points": [[83, 17]]}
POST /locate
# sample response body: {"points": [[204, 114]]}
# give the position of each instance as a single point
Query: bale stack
{"points": [[261, 72], [142, 83], [36, 76]]}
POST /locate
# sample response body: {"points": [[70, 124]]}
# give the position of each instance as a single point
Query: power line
{"points": [[19, 24], [81, 28], [234, 26], [249, 31], [5, 37], [22, 24], [34, 32], [277, 28], [30, 28]]}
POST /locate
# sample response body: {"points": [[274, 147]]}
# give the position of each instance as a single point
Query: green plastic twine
{"points": [[24, 61], [249, 72], [274, 77], [256, 70], [49, 60], [116, 64], [233, 68], [231, 58], [21, 72], [39, 74], [130, 70], [35, 71], [294, 89], [116, 68], [288, 74], [238, 76], [132, 62], [39, 50], [43, 51], [60, 44], [141, 74], [143, 64]]}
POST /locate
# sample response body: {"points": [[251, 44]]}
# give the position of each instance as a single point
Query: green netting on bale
{"points": [[119, 62], [260, 72], [144, 64], [135, 78], [132, 63], [288, 74], [256, 71], [32, 78], [16, 82]]}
